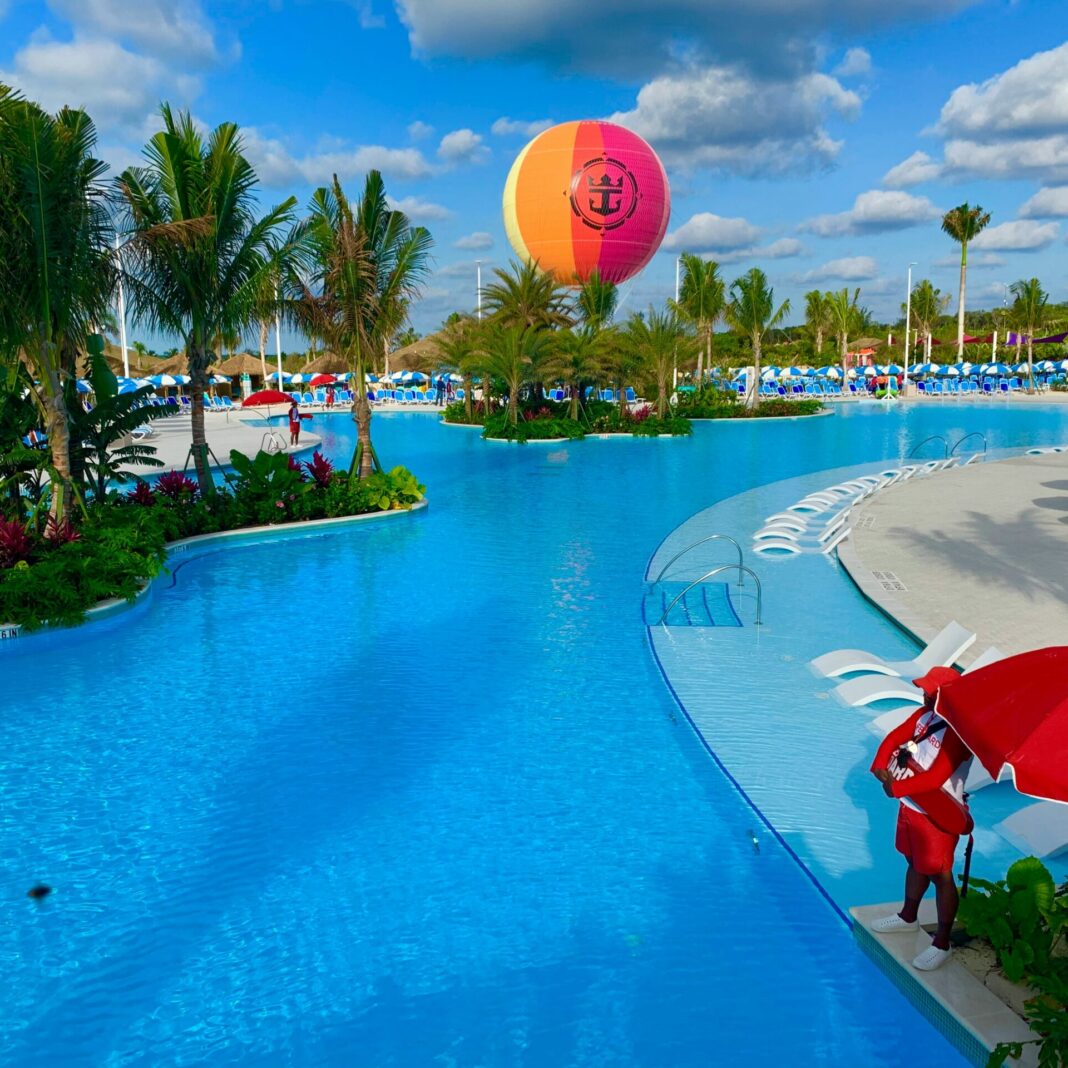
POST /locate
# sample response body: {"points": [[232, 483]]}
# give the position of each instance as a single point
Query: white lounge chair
{"points": [[1039, 830], [943, 650], [867, 689]]}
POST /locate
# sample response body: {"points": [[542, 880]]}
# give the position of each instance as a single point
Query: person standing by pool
{"points": [[294, 423], [924, 763]]}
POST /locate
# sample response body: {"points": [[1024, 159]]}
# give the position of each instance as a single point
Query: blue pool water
{"points": [[415, 792]]}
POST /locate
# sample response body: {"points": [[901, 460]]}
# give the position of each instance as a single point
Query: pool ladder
{"points": [[272, 442], [711, 537], [705, 577]]}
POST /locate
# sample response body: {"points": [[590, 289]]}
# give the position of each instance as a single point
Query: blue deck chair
{"points": [[631, 395], [320, 396], [409, 396], [461, 395], [171, 402], [432, 396]]}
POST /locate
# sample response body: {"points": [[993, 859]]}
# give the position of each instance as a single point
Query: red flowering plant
{"points": [[639, 415], [141, 494], [296, 466], [15, 543], [175, 486], [60, 533], [320, 469]]}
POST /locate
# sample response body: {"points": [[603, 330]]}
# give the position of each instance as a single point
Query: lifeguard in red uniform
{"points": [[924, 763]]}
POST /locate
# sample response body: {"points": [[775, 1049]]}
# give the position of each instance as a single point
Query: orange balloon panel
{"points": [[587, 195]]}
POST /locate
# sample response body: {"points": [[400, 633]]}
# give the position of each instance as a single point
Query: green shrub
{"points": [[653, 427], [498, 426], [732, 409], [457, 413]]}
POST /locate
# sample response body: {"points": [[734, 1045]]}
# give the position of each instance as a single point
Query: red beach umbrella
{"points": [[266, 396], [1014, 714], [323, 380]]}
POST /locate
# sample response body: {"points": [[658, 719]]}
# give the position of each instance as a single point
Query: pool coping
{"points": [[242, 536], [957, 1003]]}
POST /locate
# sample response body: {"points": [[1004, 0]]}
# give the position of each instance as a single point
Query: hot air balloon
{"points": [[587, 195]]}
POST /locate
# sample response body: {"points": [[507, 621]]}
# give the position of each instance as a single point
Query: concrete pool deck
{"points": [[984, 545]]}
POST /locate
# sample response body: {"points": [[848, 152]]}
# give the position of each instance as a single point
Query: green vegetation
{"points": [[56, 575], [964, 223], [1024, 918]]}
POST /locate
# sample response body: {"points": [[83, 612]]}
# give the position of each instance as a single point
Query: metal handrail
{"points": [[703, 578], [711, 537], [973, 434], [933, 437]]}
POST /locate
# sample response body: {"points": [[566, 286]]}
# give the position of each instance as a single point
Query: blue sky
{"points": [[819, 144]]}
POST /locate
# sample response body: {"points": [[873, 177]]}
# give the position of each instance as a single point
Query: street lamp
{"points": [[122, 314], [908, 327], [675, 368]]}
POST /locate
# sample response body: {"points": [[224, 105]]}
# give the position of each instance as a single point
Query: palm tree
{"points": [[963, 223], [751, 310], [57, 267], [701, 302], [596, 301], [927, 306], [516, 354], [524, 296], [817, 319], [366, 265], [200, 255], [656, 340], [1031, 312], [459, 347], [578, 358], [846, 318]]}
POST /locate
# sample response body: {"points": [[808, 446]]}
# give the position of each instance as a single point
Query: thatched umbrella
{"points": [[242, 364], [421, 355], [867, 343], [327, 363]]}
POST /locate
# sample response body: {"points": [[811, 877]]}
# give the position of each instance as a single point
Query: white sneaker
{"points": [[932, 958], [889, 924]]}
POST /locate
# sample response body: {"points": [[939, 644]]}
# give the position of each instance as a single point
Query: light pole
{"points": [[675, 368], [478, 284], [122, 314], [278, 337], [908, 325]]}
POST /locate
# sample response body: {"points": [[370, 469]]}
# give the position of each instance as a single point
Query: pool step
{"points": [[707, 605]]}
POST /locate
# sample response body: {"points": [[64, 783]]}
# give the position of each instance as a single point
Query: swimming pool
{"points": [[415, 792]]}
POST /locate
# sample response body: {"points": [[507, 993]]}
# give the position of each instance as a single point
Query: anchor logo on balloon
{"points": [[604, 193]]}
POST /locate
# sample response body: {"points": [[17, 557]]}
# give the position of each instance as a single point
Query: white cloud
{"points": [[784, 248], [369, 20], [279, 168], [856, 61], [918, 168], [419, 210], [177, 29], [505, 127], [723, 118], [475, 242], [419, 130], [705, 232], [986, 259], [1013, 124], [1047, 204], [464, 269], [59, 73], [873, 212], [847, 269], [462, 146], [1019, 236]]}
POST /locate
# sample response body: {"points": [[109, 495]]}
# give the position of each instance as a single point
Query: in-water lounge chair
{"points": [[1039, 830], [943, 650], [867, 689]]}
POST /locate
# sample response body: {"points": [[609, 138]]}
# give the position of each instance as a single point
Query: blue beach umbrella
{"points": [[889, 369], [273, 376], [1020, 368], [828, 371], [1045, 366], [160, 381], [996, 369], [219, 380], [791, 372], [926, 368]]}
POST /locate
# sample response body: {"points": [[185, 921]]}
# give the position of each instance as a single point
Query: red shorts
{"points": [[929, 850], [294, 428]]}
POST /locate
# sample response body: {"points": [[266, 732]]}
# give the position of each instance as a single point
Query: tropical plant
{"points": [[963, 223], [926, 306], [200, 253], [657, 340], [579, 357], [1031, 312], [100, 446], [320, 469], [751, 310], [702, 302], [516, 355], [523, 295], [459, 347], [818, 319], [846, 318], [22, 465], [57, 267], [365, 266], [595, 301]]}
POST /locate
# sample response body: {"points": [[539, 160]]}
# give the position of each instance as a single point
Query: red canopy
{"points": [[1014, 714], [969, 340], [323, 379], [266, 396]]}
